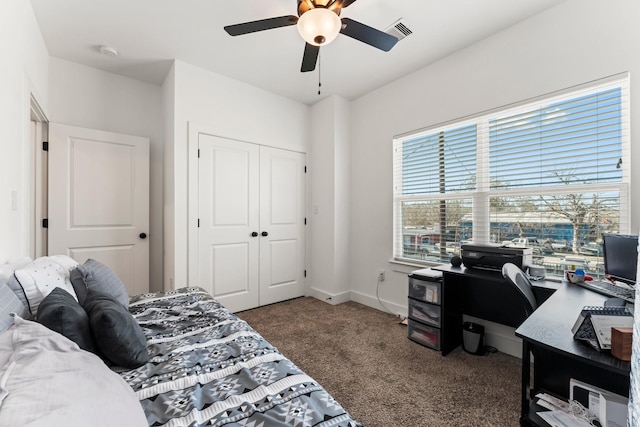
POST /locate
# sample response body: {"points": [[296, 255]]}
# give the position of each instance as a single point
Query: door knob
{"points": [[143, 235], [265, 234], [254, 234]]}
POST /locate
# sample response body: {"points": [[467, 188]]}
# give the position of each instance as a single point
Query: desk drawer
{"points": [[423, 334], [424, 312], [425, 291]]}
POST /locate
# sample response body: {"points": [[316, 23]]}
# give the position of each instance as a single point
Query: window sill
{"points": [[408, 266]]}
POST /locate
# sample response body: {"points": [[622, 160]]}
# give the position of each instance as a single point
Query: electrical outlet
{"points": [[381, 275]]}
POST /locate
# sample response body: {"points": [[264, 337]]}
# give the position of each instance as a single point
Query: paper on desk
{"points": [[562, 419], [603, 324]]}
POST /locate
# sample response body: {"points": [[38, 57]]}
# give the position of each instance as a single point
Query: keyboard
{"points": [[609, 289]]}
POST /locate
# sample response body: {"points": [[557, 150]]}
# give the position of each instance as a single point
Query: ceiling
{"points": [[150, 34]]}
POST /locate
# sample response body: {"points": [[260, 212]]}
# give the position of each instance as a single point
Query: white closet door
{"points": [[99, 200], [282, 228], [228, 201], [250, 213]]}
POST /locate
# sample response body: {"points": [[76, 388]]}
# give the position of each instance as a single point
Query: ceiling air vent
{"points": [[399, 29]]}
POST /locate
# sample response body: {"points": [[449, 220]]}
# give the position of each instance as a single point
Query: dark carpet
{"points": [[363, 358]]}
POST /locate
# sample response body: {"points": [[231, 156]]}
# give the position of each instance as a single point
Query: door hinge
{"points": [[45, 223], [305, 221], [45, 145], [305, 273], [198, 222], [198, 153], [305, 169]]}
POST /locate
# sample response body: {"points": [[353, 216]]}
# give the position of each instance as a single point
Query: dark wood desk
{"points": [[558, 357], [484, 294]]}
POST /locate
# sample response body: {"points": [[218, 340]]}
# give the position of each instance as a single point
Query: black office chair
{"points": [[515, 276]]}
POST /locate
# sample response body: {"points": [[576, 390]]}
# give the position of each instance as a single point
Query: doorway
{"points": [[93, 193]]}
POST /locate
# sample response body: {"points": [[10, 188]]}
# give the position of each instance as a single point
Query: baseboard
{"points": [[382, 305], [333, 299]]}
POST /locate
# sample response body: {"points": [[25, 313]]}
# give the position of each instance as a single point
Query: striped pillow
{"points": [[9, 303], [93, 275]]}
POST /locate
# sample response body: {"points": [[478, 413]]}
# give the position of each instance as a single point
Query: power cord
{"points": [[488, 349], [400, 318]]}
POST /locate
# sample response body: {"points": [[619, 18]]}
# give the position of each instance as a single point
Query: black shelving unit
{"points": [[434, 317]]}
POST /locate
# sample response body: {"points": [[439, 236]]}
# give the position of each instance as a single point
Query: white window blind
{"points": [[575, 140], [553, 171], [440, 162]]}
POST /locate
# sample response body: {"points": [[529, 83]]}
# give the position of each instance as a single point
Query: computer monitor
{"points": [[620, 253]]}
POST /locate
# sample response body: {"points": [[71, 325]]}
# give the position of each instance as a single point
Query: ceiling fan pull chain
{"points": [[319, 83]]}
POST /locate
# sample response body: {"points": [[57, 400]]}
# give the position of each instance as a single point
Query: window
{"points": [[550, 174]]}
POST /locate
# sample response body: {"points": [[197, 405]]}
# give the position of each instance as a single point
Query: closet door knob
{"points": [[143, 235], [265, 234], [254, 234]]}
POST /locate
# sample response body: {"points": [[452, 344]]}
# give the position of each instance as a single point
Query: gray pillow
{"points": [[97, 276], [9, 303], [118, 337]]}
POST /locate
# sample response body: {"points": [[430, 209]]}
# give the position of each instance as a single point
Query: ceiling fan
{"points": [[319, 23]]}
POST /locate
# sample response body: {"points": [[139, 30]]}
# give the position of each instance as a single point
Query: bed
{"points": [[181, 359]]}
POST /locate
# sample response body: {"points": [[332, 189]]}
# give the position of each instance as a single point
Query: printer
{"points": [[494, 256]]}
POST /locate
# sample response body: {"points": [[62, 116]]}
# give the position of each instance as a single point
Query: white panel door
{"points": [[250, 213], [282, 227], [228, 242], [99, 200]]}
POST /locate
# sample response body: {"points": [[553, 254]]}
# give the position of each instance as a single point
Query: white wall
{"points": [[329, 219], [87, 97], [229, 109], [23, 72], [575, 42]]}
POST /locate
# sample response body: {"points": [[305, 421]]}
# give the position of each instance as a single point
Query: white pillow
{"points": [[42, 276], [11, 265], [48, 381]]}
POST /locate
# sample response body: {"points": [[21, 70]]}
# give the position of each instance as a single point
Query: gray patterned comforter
{"points": [[207, 367]]}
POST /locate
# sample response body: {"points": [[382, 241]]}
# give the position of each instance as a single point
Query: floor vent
{"points": [[399, 29]]}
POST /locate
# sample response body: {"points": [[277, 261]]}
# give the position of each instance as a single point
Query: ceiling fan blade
{"points": [[342, 3], [261, 25], [367, 34], [310, 57]]}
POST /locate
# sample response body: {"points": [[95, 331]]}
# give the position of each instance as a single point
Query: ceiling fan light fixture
{"points": [[319, 26]]}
